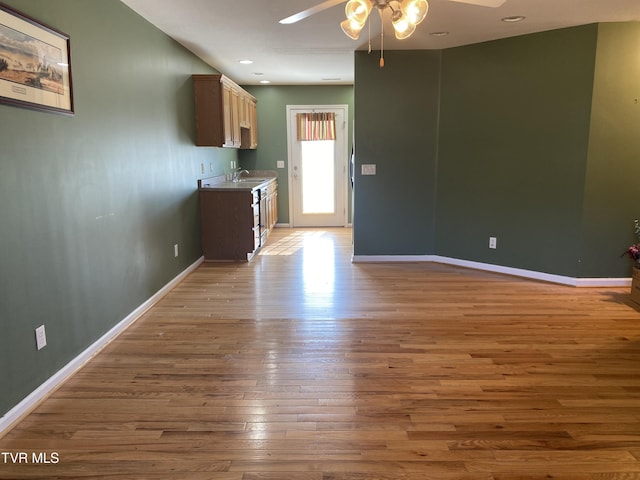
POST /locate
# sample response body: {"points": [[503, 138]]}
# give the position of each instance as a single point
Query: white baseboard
{"points": [[50, 385], [517, 272], [288, 225], [603, 282], [392, 258]]}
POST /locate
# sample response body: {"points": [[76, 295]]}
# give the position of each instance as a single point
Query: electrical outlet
{"points": [[493, 242], [280, 164], [175, 250], [41, 337]]}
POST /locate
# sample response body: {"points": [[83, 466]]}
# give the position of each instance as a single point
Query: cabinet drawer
{"points": [[256, 214]]}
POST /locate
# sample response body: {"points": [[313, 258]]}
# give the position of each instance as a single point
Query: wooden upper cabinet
{"points": [[231, 113], [253, 120], [223, 113], [245, 119]]}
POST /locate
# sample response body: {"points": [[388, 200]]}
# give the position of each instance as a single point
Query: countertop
{"points": [[249, 182]]}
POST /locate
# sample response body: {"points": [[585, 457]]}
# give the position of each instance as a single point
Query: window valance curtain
{"points": [[316, 126]]}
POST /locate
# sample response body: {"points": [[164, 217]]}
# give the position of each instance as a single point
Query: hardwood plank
{"points": [[302, 365]]}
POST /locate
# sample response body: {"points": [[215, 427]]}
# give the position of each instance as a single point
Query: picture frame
{"points": [[35, 64]]}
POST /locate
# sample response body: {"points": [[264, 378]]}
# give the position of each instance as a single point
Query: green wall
{"points": [[396, 128], [533, 140], [91, 205], [613, 168], [513, 148], [272, 128]]}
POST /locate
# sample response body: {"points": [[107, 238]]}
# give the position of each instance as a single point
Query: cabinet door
{"points": [[235, 117], [208, 110], [245, 118], [253, 123], [227, 109], [231, 102], [274, 207], [228, 224]]}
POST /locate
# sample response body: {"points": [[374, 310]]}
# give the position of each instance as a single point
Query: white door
{"points": [[318, 172]]}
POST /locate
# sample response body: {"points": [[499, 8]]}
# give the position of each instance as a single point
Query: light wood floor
{"points": [[303, 366]]}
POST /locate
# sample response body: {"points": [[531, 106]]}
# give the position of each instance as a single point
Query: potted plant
{"points": [[633, 252]]}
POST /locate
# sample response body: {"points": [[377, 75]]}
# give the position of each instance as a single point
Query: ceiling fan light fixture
{"points": [[351, 29], [406, 33], [405, 15], [358, 11], [402, 26], [415, 10]]}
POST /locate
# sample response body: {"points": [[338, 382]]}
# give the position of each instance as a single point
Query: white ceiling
{"points": [[316, 51]]}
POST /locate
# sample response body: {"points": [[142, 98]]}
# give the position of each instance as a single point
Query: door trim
{"points": [[291, 135]]}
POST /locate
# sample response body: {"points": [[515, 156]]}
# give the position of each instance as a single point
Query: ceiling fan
{"points": [[380, 4], [405, 15]]}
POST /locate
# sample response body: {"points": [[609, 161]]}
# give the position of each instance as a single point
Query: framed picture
{"points": [[35, 64]]}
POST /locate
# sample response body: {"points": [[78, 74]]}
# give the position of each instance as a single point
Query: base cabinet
{"points": [[236, 223], [271, 206], [635, 285]]}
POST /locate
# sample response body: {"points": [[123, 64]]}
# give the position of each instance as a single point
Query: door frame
{"points": [[291, 137]]}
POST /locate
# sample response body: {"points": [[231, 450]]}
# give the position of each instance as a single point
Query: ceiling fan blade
{"points": [[482, 3], [311, 11]]}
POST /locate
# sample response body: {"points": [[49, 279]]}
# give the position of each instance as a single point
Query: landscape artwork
{"points": [[34, 64]]}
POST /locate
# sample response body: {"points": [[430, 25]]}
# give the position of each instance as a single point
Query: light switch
{"points": [[41, 337], [369, 169]]}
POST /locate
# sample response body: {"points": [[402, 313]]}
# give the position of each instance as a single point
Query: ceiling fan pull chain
{"points": [[369, 26], [381, 39]]}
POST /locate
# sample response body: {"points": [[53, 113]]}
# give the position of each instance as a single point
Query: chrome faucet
{"points": [[237, 173]]}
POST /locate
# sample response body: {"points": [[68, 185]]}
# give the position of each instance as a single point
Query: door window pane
{"points": [[317, 165]]}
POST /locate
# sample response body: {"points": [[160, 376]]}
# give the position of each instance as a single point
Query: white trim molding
{"points": [[342, 160], [50, 385], [517, 272]]}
